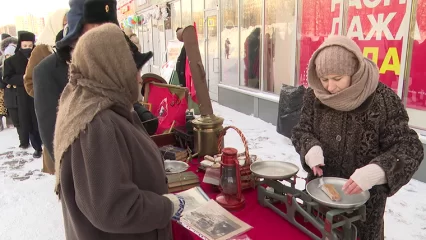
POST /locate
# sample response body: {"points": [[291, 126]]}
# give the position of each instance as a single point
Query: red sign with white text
{"points": [[378, 27]]}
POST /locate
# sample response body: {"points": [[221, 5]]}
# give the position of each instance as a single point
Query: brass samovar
{"points": [[207, 127]]}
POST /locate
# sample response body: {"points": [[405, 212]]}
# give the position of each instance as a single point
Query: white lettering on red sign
{"points": [[355, 28], [335, 26], [370, 3], [334, 3], [380, 26]]}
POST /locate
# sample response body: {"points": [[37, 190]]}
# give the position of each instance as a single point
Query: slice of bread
{"points": [[331, 192]]}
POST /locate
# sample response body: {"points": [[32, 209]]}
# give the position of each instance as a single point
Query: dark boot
{"points": [[24, 145], [37, 154], [9, 122]]}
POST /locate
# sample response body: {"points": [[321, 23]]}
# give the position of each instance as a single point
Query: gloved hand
{"points": [[178, 205], [314, 158], [364, 179]]}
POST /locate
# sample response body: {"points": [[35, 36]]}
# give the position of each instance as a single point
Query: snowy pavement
{"points": [[30, 210]]}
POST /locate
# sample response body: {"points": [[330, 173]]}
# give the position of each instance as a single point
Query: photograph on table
{"points": [[212, 222]]}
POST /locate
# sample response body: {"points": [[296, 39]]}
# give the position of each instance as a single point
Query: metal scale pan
{"points": [[274, 170], [346, 202]]}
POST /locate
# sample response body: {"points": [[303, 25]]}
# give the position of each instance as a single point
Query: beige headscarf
{"points": [[54, 24], [364, 80], [102, 74]]}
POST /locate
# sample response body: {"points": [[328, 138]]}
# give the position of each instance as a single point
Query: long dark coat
{"points": [[377, 132], [14, 70], [50, 77]]}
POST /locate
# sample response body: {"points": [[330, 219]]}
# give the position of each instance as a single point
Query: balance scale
{"points": [[334, 223]]}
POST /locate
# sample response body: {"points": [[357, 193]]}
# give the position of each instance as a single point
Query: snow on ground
{"points": [[30, 210]]}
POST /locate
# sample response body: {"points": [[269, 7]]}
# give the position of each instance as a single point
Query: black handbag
{"points": [[289, 108], [11, 97]]}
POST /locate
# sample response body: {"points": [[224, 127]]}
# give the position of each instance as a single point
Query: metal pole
{"points": [[410, 43], [239, 42], [262, 49], [344, 17], [299, 12]]}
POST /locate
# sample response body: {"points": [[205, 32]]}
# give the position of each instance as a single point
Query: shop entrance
{"points": [[212, 53]]}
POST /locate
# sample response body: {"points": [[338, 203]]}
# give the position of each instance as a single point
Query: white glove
{"points": [[178, 205], [314, 157], [369, 176]]}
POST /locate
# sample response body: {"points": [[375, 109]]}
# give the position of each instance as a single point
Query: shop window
{"points": [[175, 14], [229, 42], [416, 97], [212, 3], [320, 18], [156, 42], [198, 19], [143, 31], [250, 48], [186, 13], [168, 29], [279, 39]]}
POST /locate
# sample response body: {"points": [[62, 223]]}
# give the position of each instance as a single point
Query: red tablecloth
{"points": [[266, 223]]}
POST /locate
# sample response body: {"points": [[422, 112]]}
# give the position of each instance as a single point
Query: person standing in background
{"points": [[45, 44], [14, 70], [133, 37], [227, 47], [51, 75], [6, 40], [52, 33]]}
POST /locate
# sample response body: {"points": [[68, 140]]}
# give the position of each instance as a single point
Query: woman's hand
{"points": [[318, 170], [178, 205], [351, 188]]}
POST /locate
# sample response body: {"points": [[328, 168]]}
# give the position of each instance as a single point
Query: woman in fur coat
{"points": [[7, 49], [354, 127]]}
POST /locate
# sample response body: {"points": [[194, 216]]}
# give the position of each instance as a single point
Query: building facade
{"points": [[9, 29], [251, 48], [125, 9], [29, 23]]}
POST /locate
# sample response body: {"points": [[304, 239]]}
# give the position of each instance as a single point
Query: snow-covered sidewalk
{"points": [[30, 210]]}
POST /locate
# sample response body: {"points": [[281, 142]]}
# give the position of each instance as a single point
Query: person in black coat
{"points": [[14, 70], [149, 121], [50, 76]]}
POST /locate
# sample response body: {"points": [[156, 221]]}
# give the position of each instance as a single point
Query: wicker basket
{"points": [[247, 178]]}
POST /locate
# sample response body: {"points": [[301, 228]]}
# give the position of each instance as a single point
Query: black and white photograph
{"points": [[213, 225], [213, 222]]}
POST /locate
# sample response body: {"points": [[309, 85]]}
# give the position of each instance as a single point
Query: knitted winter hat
{"points": [[4, 36], [336, 60]]}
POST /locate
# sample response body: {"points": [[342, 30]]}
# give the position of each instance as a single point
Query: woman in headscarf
{"points": [[52, 32], [354, 127], [110, 174]]}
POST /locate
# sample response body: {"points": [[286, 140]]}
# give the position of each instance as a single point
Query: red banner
{"points": [[378, 27], [416, 97]]}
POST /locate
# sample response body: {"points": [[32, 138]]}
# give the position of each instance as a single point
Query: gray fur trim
{"points": [[6, 42]]}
